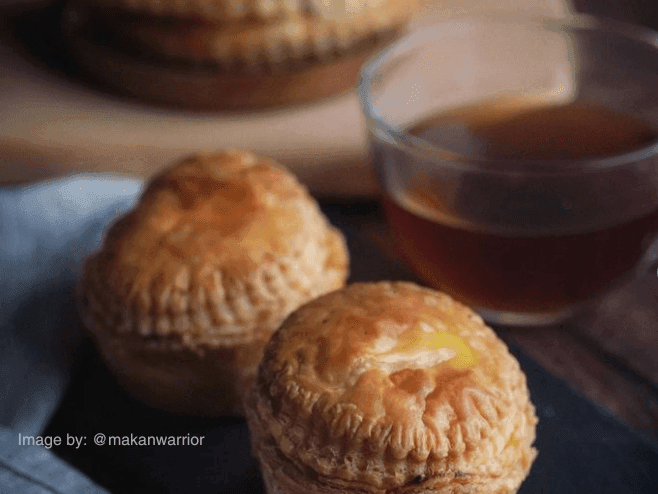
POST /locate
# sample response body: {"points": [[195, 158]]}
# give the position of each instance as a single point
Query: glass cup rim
{"points": [[415, 145]]}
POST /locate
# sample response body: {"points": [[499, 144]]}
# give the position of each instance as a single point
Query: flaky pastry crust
{"points": [[232, 10], [252, 42], [189, 285], [390, 388], [270, 42], [249, 63]]}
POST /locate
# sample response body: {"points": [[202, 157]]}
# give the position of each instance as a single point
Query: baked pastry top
{"points": [[388, 386], [219, 249]]}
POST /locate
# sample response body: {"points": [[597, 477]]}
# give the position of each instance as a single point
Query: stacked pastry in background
{"points": [[229, 54]]}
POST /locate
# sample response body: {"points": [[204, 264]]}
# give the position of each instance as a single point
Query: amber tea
{"points": [[525, 246]]}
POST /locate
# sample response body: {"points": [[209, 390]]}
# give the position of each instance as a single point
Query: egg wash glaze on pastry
{"points": [[393, 386], [188, 286]]}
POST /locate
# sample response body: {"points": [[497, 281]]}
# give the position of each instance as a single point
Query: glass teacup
{"points": [[518, 158]]}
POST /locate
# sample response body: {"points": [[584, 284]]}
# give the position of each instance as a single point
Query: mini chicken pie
{"points": [[187, 288], [390, 388], [228, 55]]}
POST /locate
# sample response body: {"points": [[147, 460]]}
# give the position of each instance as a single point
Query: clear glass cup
{"points": [[522, 241]]}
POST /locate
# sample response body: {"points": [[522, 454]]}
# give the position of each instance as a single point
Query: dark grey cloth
{"points": [[45, 232]]}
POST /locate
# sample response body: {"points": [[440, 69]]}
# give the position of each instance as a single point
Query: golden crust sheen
{"points": [[294, 36], [219, 249], [387, 386], [273, 41], [231, 10]]}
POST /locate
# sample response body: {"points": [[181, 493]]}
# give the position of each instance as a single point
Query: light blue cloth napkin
{"points": [[45, 232]]}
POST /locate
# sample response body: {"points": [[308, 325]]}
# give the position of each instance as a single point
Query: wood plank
{"points": [[562, 353], [625, 324]]}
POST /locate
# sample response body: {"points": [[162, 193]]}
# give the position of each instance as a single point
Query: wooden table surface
{"points": [[609, 354]]}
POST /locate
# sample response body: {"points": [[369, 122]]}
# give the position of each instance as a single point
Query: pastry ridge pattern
{"points": [[212, 279], [227, 10], [383, 430]]}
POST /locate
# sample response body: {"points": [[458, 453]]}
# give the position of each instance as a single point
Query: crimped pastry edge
{"points": [[233, 85], [198, 376], [282, 284], [283, 476], [168, 331], [274, 43], [298, 438], [231, 10]]}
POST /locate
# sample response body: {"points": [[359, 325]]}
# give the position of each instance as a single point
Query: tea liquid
{"points": [[540, 272]]}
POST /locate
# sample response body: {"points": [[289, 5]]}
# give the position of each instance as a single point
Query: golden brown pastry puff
{"points": [[390, 388], [230, 54], [187, 287]]}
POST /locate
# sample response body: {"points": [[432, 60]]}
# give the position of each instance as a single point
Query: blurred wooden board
{"points": [[53, 125]]}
